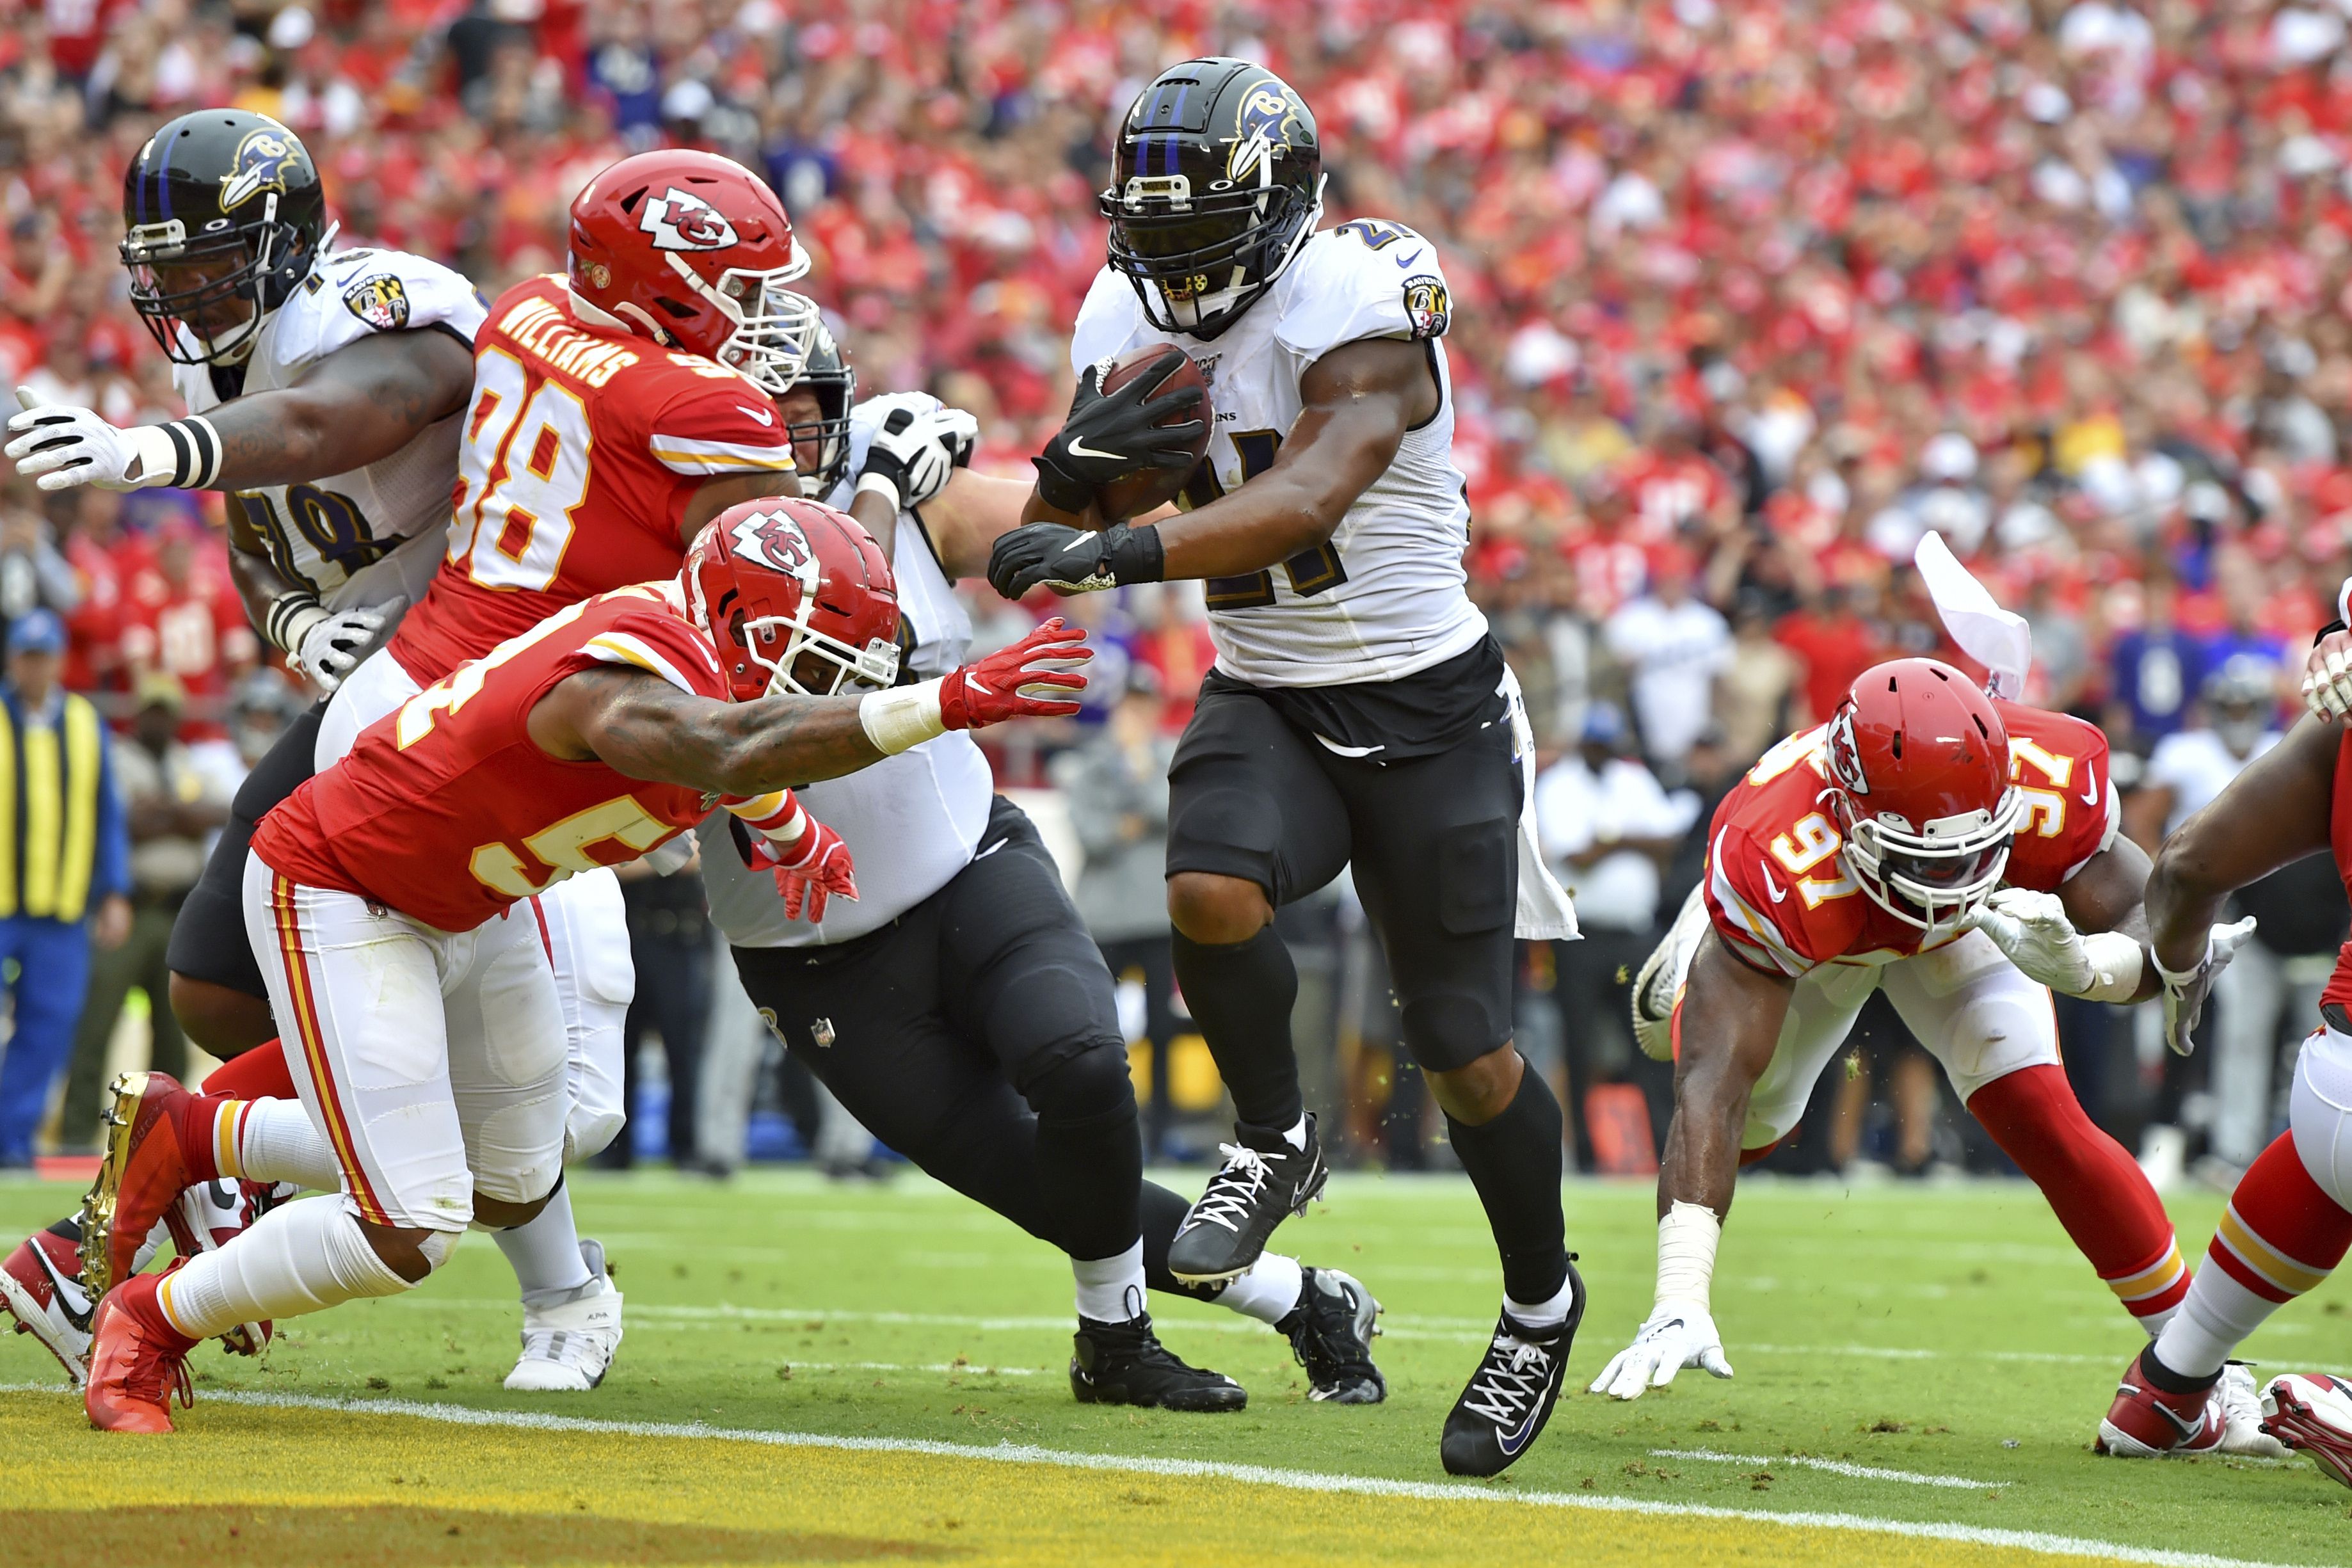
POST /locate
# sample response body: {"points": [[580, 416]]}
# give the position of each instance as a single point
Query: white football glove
{"points": [[1677, 1334], [58, 447], [914, 455], [2185, 990], [2032, 928], [332, 645], [2327, 677]]}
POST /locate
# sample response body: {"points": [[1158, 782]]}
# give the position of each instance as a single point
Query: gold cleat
{"points": [[100, 1205]]}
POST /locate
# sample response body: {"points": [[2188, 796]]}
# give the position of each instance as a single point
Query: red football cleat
{"points": [[2147, 1423], [207, 1218], [2312, 1411], [40, 1288], [138, 1361], [154, 1153]]}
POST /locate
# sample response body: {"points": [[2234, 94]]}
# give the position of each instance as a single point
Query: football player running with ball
{"points": [[1360, 711], [390, 901], [959, 1009]]}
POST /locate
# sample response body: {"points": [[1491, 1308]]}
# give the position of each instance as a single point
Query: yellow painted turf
{"points": [[268, 1488]]}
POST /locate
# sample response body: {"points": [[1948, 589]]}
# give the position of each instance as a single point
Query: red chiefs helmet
{"points": [[693, 249], [788, 588], [1918, 766]]}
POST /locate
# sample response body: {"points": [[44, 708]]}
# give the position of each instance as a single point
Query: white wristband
{"points": [[882, 486], [159, 457], [902, 717], [2119, 964], [1686, 1240]]}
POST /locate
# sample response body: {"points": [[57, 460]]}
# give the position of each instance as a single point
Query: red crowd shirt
{"points": [[582, 447], [448, 812], [1777, 887]]}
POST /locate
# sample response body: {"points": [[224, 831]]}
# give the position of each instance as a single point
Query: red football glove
{"points": [[1034, 679], [812, 869]]}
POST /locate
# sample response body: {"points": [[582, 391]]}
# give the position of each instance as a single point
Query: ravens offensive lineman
{"points": [[1360, 711], [959, 1009]]}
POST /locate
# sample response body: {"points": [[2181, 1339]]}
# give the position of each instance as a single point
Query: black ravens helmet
{"points": [[826, 371], [1217, 182], [224, 213]]}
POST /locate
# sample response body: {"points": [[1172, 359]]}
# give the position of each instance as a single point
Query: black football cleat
{"points": [[1125, 1363], [1331, 1332], [1263, 1181], [1510, 1396]]}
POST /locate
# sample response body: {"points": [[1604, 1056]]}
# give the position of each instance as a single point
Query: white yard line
{"points": [[1835, 1466], [2035, 1541]]}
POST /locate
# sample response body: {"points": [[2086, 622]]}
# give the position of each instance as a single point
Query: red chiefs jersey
{"points": [[445, 810], [2339, 841], [1780, 894], [582, 448]]}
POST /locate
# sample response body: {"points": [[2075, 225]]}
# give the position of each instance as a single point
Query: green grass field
{"points": [[1947, 1338]]}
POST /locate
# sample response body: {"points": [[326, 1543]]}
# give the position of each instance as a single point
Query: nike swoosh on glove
{"points": [[1109, 436], [2185, 990], [334, 644], [1676, 1335], [810, 870], [1034, 678], [1073, 560], [914, 455]]}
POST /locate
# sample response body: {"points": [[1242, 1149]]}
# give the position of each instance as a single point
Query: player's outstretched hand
{"points": [[2326, 676], [1677, 1334], [1073, 560], [1111, 435], [57, 446], [914, 455], [810, 870], [2185, 990], [1036, 678], [335, 643]]}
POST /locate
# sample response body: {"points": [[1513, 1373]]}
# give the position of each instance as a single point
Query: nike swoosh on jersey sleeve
{"points": [[706, 427], [1741, 921]]}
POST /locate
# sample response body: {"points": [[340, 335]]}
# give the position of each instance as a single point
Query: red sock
{"points": [[2282, 1234], [2096, 1190], [259, 1074]]}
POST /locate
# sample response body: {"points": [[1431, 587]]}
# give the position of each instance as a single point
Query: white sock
{"points": [[278, 1141], [2216, 1315], [545, 1252], [1267, 1291], [1110, 1290], [303, 1258], [1296, 1136], [1548, 1314]]}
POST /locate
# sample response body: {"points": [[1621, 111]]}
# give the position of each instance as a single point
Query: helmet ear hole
{"points": [[629, 203]]}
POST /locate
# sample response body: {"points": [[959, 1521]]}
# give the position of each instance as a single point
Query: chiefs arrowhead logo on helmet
{"points": [[774, 540], [679, 220], [1844, 756]]}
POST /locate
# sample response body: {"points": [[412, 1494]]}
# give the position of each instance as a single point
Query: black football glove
{"points": [[1048, 555], [1109, 436]]}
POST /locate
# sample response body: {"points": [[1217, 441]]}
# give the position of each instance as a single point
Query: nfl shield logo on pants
{"points": [[821, 1031]]}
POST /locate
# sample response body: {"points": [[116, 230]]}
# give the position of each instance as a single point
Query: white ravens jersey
{"points": [[911, 821], [1386, 597], [376, 532]]}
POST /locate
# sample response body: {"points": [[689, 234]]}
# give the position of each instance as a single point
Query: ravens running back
{"points": [[1359, 712]]}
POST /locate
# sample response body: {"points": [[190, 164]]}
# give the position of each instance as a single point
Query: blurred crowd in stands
{"points": [[1749, 296]]}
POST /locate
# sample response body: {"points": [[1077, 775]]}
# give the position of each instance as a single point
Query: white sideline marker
{"points": [[2035, 1541], [1835, 1466]]}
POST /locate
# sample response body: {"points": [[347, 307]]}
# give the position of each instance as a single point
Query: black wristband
{"points": [[195, 452], [2330, 629], [282, 611], [1136, 554], [1060, 490]]}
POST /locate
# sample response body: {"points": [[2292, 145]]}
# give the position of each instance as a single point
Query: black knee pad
{"points": [[1450, 1030], [1093, 1085]]}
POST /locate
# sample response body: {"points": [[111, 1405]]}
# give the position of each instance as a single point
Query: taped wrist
{"points": [[873, 481], [2173, 979], [291, 615], [1687, 1235], [902, 717], [186, 453], [2119, 964]]}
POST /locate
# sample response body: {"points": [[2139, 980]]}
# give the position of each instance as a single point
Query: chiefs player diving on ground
{"points": [[389, 898], [2289, 1222], [1950, 847]]}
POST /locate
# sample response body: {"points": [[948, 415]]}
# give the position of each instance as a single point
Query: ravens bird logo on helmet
{"points": [[261, 159]]}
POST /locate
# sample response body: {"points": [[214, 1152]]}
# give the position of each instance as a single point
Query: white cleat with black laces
{"points": [[1510, 1396], [568, 1344], [1265, 1180]]}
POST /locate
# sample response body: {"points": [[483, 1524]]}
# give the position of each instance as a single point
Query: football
{"points": [[1141, 492]]}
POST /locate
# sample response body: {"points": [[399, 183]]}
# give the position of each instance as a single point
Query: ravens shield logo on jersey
{"points": [[380, 300]]}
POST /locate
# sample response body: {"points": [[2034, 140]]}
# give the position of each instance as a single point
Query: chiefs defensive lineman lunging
{"points": [[614, 411], [389, 898], [1947, 848], [2289, 1222]]}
